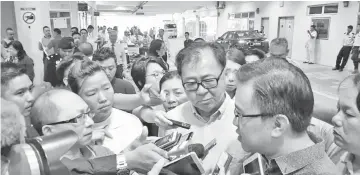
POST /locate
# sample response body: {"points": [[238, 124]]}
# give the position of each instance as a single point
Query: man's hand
{"points": [[143, 158], [141, 140], [158, 117], [100, 134], [149, 96]]}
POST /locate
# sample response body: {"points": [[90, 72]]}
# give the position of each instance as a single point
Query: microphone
{"points": [[197, 148]]}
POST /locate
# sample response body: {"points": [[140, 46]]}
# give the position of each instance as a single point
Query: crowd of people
{"points": [[247, 101]]}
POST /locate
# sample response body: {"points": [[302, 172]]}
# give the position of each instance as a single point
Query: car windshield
{"points": [[247, 34]]}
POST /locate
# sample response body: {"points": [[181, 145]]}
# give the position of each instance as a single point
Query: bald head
{"points": [[54, 106], [86, 48]]}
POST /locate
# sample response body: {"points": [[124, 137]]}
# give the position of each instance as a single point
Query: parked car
{"points": [[244, 38]]}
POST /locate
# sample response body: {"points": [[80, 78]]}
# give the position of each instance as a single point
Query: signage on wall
{"points": [[82, 7], [28, 16]]}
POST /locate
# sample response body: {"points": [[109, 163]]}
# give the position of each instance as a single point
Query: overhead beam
{"points": [[141, 5]]}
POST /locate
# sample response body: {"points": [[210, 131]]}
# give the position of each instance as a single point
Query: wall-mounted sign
{"points": [[29, 17], [322, 27], [96, 13]]}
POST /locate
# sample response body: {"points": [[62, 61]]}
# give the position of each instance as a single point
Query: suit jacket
{"points": [[98, 166]]}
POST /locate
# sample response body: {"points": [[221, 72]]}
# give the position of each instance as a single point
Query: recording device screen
{"points": [[255, 166], [186, 165], [164, 140]]}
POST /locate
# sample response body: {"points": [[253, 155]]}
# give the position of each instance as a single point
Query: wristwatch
{"points": [[121, 165]]}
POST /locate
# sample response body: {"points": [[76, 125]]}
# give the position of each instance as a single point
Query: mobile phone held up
{"points": [[169, 141], [188, 164], [254, 165], [180, 124]]}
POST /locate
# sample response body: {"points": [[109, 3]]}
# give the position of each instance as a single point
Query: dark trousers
{"points": [[355, 57], [119, 71], [45, 64], [344, 56]]}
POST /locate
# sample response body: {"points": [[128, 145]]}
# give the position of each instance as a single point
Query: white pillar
{"points": [[30, 34], [74, 17], [197, 27], [183, 26]]}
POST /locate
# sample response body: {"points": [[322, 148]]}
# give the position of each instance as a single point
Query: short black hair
{"points": [[280, 88], [75, 33], [192, 53], [7, 29], [45, 27], [10, 71], [155, 45], [65, 64], [58, 31], [236, 55], [261, 54], [83, 29], [187, 33], [199, 39], [90, 27], [313, 26], [138, 70], [168, 76], [81, 70], [103, 54], [77, 30], [350, 27]]}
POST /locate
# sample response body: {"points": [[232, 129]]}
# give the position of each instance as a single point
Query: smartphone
{"points": [[173, 144], [180, 124], [254, 165], [167, 140], [186, 165], [224, 161], [182, 141], [208, 147]]}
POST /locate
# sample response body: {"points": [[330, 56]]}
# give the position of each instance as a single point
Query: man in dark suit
{"points": [[187, 41]]}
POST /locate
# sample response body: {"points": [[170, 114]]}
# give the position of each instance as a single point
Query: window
{"points": [[64, 14], [252, 15], [331, 9], [203, 29], [315, 10], [323, 9], [244, 15], [322, 27]]}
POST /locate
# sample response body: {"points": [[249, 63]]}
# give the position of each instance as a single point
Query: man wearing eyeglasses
{"points": [[59, 110], [273, 107], [210, 110]]}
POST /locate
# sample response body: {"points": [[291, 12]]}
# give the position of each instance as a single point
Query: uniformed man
{"points": [[355, 52], [66, 49], [344, 53], [310, 45], [43, 43]]}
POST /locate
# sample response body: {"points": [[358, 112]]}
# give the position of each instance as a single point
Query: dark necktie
{"points": [[113, 47], [272, 168]]}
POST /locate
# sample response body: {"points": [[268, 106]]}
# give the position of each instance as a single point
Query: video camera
{"points": [[41, 155]]}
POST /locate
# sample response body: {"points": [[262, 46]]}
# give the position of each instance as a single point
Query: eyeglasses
{"points": [[238, 115], [157, 74], [78, 119], [207, 83]]}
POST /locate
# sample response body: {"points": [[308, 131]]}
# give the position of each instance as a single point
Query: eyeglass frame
{"points": [[155, 76], [75, 119], [237, 115], [201, 82]]}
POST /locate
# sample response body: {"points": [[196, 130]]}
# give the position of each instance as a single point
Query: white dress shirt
{"points": [[123, 126], [348, 39], [219, 127], [312, 41], [119, 49], [357, 40]]}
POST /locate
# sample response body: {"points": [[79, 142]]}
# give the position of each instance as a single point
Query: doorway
{"points": [[265, 23], [286, 30]]}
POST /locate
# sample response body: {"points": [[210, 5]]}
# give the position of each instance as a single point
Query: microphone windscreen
{"points": [[198, 149]]}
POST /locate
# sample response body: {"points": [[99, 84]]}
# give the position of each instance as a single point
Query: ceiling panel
{"points": [[152, 7]]}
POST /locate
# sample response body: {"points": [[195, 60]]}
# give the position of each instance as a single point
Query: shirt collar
{"points": [[299, 159], [217, 115], [347, 160]]}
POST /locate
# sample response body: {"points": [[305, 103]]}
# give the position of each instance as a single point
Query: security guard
{"points": [[355, 52], [66, 49], [344, 53]]}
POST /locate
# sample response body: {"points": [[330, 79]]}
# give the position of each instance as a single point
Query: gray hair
{"points": [[192, 54], [280, 88]]}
